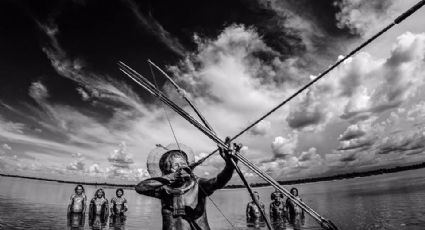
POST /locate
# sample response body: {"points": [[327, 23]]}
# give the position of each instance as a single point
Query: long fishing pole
{"points": [[399, 19], [327, 224], [208, 126]]}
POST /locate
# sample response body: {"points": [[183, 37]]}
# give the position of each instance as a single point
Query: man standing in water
{"points": [[77, 208], [277, 207], [119, 203], [295, 212], [118, 209], [183, 195], [98, 210], [78, 201], [253, 214]]}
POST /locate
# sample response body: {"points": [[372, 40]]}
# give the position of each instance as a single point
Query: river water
{"points": [[391, 201]]}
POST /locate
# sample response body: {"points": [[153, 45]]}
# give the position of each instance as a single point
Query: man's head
{"points": [[277, 196], [100, 193], [79, 189], [172, 161], [294, 191], [119, 192]]}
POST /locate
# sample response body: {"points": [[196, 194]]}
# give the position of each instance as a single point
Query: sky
{"points": [[66, 111]]}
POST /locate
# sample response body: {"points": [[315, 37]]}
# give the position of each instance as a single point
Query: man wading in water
{"points": [[183, 195]]}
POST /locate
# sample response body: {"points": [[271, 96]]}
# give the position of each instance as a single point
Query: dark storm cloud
{"points": [[301, 118], [307, 113]]}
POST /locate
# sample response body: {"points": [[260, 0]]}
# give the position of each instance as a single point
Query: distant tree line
{"points": [[288, 182]]}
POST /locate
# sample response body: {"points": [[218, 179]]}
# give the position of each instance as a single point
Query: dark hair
{"points": [[276, 194], [119, 189], [294, 189], [172, 153], [95, 194], [76, 187]]}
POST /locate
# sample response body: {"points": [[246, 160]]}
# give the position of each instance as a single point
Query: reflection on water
{"points": [[117, 222], [76, 221], [393, 201]]}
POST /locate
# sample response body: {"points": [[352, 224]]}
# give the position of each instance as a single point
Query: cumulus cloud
{"points": [[95, 169], [311, 154], [352, 132], [403, 143], [365, 16], [261, 128], [126, 173], [120, 158], [38, 91], [389, 82], [308, 113], [357, 143], [416, 111], [281, 167], [77, 165], [84, 95], [283, 147], [6, 147]]}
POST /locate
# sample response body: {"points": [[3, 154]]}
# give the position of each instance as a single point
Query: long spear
{"points": [[207, 125], [139, 79]]}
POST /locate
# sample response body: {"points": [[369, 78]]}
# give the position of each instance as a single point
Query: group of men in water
{"points": [[183, 195], [280, 211], [99, 209]]}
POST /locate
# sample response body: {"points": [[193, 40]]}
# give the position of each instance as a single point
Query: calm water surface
{"points": [[392, 201]]}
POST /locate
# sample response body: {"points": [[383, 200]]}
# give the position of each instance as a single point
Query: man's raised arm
{"points": [[218, 182]]}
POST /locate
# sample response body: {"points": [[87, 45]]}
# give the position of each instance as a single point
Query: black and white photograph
{"points": [[212, 114]]}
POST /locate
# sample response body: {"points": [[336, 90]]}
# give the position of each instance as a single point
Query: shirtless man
{"points": [[295, 213], [118, 209], [183, 195], [277, 207], [253, 214], [78, 201], [77, 208], [98, 210], [118, 203]]}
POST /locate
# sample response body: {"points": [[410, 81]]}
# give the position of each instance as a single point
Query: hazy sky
{"points": [[67, 112]]}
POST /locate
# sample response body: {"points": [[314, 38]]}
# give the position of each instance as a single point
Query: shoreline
{"points": [[288, 182]]}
